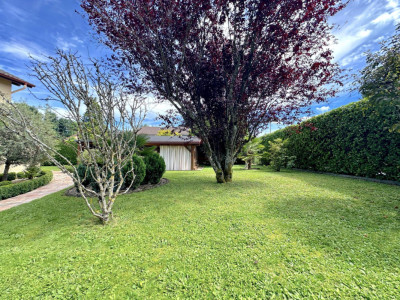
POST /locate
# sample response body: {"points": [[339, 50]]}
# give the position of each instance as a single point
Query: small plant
{"points": [[250, 151], [278, 155], [155, 168], [32, 171]]}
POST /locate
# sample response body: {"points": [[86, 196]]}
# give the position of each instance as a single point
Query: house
{"points": [[7, 80], [180, 152]]}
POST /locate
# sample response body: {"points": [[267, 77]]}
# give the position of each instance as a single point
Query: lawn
{"points": [[289, 235], [50, 168]]}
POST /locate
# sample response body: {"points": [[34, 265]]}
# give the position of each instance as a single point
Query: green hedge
{"points": [[10, 176], [354, 139], [23, 187], [69, 150]]}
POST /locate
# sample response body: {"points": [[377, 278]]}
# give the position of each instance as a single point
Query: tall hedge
{"points": [[354, 139]]}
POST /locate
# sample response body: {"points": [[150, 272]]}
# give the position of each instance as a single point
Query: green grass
{"points": [[50, 168], [289, 235]]}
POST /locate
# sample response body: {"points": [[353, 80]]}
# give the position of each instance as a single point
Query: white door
{"points": [[177, 158]]}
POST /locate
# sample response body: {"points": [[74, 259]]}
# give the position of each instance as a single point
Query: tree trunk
{"points": [[105, 217], [224, 174], [6, 169], [247, 165]]}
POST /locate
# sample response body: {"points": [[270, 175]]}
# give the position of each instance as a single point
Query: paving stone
{"points": [[60, 181]]}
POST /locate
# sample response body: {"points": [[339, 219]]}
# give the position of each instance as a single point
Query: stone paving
{"points": [[60, 181]]}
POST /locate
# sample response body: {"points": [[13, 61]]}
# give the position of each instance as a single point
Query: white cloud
{"points": [[387, 18], [363, 21], [392, 3], [64, 45], [77, 39], [154, 108], [305, 118], [323, 109], [22, 50], [68, 44], [354, 57], [379, 39], [364, 33], [15, 12]]}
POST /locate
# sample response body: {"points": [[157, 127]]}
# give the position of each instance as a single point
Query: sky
{"points": [[37, 27]]}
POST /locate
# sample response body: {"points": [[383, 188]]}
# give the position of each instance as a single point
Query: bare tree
{"points": [[107, 118]]}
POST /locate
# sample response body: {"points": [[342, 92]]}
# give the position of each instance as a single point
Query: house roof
{"points": [[14, 79], [155, 140], [154, 130], [149, 130]]}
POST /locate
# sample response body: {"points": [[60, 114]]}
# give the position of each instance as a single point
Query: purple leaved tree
{"points": [[227, 67]]}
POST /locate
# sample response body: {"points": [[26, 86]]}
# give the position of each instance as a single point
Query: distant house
{"points": [[180, 152], [7, 80]]}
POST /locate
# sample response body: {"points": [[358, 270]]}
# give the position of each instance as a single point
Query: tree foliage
{"points": [[103, 110], [68, 151], [227, 67], [15, 148], [167, 132], [278, 154], [63, 126], [250, 151], [380, 79]]}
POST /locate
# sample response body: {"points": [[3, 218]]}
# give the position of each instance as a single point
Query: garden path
{"points": [[60, 181]]}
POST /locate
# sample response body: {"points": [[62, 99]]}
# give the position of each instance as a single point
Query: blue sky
{"points": [[38, 27]]}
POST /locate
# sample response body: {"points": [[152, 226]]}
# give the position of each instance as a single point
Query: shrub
{"points": [[23, 187], [10, 177], [354, 139], [47, 163], [278, 155], [139, 169], [21, 175], [32, 171], [85, 176], [86, 158], [3, 183], [69, 150], [70, 169], [155, 168]]}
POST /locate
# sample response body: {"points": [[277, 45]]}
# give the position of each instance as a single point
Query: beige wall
{"points": [[13, 168], [5, 87]]}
